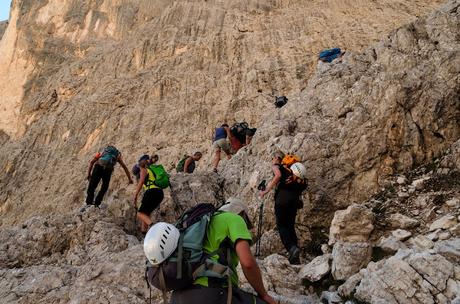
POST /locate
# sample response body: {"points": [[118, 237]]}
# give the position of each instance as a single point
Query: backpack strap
{"points": [[163, 286], [180, 255]]}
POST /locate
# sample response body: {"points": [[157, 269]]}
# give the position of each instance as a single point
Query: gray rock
{"points": [[330, 297], [349, 258], [422, 242], [444, 222], [390, 244], [316, 269], [401, 221], [455, 230], [351, 225], [450, 249], [347, 289], [401, 235], [408, 277]]}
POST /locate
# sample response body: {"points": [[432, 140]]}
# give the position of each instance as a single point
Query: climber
{"points": [[153, 194], [187, 164], [136, 170], [288, 193], [240, 135], [220, 142], [101, 167], [230, 224]]}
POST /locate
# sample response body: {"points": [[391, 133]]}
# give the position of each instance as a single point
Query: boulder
{"points": [[450, 249], [401, 235], [408, 277], [390, 244], [353, 224], [316, 269], [349, 258], [445, 222], [401, 221], [330, 297], [348, 288], [422, 242]]}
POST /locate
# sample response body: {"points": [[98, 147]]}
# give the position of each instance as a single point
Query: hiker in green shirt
{"points": [[229, 226]]}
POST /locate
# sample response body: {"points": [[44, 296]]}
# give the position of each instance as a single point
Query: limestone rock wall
{"points": [[366, 117], [159, 75]]}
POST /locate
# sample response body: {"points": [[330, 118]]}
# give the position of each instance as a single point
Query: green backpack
{"points": [[180, 165], [109, 157], [161, 176]]}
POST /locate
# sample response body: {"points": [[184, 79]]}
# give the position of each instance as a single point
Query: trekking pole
{"points": [[261, 187]]}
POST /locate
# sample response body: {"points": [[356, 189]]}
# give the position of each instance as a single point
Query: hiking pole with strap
{"points": [[261, 187]]}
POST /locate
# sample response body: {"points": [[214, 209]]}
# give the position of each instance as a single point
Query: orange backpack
{"points": [[290, 159]]}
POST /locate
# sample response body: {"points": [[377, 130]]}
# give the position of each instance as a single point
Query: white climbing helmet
{"points": [[299, 170], [160, 242]]}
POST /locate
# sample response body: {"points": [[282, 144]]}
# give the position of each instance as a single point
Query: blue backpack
{"points": [[330, 54]]}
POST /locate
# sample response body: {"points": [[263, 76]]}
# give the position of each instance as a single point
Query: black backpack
{"points": [[280, 101]]}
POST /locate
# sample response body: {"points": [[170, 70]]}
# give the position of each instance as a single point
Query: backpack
{"points": [[189, 261], [239, 130], [136, 171], [280, 101], [329, 54], [109, 157], [290, 159], [161, 176], [180, 165]]}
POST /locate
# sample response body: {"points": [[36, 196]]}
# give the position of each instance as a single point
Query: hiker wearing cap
{"points": [[187, 164], [220, 143], [287, 199], [101, 168], [153, 195], [227, 232]]}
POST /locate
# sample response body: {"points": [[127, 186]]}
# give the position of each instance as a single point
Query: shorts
{"points": [[151, 200], [222, 144]]}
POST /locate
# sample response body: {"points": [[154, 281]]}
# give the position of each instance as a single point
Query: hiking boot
{"points": [[294, 255]]}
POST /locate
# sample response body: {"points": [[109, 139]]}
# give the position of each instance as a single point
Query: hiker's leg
{"points": [[93, 182], [150, 201], [291, 213], [145, 220], [105, 186], [198, 294], [283, 218], [216, 160]]}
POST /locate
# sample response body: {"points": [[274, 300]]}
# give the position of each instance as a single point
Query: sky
{"points": [[4, 9]]}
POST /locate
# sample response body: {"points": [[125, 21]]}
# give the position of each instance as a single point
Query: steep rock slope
{"points": [[360, 120], [153, 75]]}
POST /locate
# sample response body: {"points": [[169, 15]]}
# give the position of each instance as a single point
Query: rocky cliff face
{"points": [[159, 76], [3, 25]]}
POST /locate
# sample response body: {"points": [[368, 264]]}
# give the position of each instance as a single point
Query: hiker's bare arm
{"points": [[251, 270], [275, 180], [187, 163], [91, 165], [120, 160], [142, 177]]}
